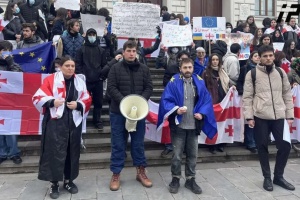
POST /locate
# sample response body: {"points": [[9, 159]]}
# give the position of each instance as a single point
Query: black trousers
{"points": [[262, 130], [96, 90]]}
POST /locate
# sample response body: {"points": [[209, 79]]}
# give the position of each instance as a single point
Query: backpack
{"points": [[253, 76]]}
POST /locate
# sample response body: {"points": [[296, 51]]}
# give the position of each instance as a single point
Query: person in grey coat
{"points": [[29, 37], [231, 63]]}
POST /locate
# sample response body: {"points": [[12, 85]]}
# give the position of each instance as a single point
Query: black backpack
{"points": [[253, 76]]}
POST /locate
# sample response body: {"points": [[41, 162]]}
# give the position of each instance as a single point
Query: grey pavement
{"points": [[220, 181]]}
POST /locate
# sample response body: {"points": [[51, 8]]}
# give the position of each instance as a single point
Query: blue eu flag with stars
{"points": [[35, 59], [209, 22]]}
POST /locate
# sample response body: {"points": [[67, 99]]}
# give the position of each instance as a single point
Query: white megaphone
{"points": [[134, 108]]}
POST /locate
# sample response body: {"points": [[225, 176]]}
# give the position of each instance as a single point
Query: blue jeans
{"points": [[9, 146], [188, 140], [118, 143], [249, 137]]}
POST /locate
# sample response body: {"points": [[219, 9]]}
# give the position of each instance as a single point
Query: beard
{"points": [[187, 75]]}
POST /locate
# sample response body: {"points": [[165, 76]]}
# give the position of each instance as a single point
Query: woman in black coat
{"points": [[13, 29], [61, 126]]}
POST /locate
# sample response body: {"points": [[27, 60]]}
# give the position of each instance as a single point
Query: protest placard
{"points": [[173, 22], [138, 20], [173, 35], [67, 4], [93, 21], [278, 46], [209, 28]]}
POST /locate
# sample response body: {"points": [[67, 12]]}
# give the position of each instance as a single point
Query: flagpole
{"points": [[209, 48]]}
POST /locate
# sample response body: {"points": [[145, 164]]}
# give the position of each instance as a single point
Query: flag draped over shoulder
{"points": [[35, 59], [54, 87], [173, 98]]}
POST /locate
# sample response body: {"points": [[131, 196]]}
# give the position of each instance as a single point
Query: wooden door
{"points": [[206, 8]]}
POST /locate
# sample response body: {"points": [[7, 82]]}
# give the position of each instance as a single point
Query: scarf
{"points": [[54, 87], [224, 80]]}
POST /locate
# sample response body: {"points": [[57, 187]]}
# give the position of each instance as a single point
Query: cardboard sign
{"points": [[93, 21], [67, 4], [173, 35], [137, 20]]}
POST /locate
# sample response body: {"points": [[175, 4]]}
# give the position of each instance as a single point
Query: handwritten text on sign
{"points": [[67, 4], [93, 21], [173, 35], [138, 20]]}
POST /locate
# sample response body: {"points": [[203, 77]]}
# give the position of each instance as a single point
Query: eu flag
{"points": [[209, 22], [35, 59]]}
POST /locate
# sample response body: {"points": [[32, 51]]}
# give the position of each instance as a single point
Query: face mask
{"points": [[175, 50], [92, 39], [17, 10], [31, 2], [228, 30]]}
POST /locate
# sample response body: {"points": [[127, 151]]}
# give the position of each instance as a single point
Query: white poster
{"points": [[278, 46], [93, 21], [244, 11], [173, 22], [67, 4], [173, 35], [138, 20]]}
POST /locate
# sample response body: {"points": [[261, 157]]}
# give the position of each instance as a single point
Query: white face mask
{"points": [[175, 50], [228, 30]]}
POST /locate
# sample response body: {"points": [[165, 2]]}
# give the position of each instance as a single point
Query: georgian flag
{"points": [[294, 129], [18, 116], [229, 116]]}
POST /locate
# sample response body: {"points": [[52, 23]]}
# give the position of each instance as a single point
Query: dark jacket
{"points": [[29, 13], [14, 27], [9, 65], [27, 43], [90, 59], [71, 44], [241, 80], [128, 78], [142, 52], [107, 67], [58, 27], [57, 135]]}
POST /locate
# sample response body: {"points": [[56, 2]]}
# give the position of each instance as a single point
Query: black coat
{"points": [[14, 27], [58, 27], [29, 13], [125, 79], [9, 65], [241, 80], [57, 134]]}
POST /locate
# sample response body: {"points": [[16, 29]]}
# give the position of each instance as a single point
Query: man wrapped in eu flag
{"points": [[187, 104]]}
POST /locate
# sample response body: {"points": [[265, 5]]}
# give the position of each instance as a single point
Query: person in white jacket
{"points": [[231, 63]]}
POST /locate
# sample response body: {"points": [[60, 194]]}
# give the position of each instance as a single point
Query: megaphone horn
{"points": [[134, 108]]}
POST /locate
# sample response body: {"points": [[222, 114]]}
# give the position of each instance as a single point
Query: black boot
{"points": [[54, 190], [174, 185], [192, 185]]}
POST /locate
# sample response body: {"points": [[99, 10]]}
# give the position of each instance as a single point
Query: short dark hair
{"points": [[65, 59], [71, 23], [185, 61], [265, 48], [30, 26], [235, 47], [165, 8], [5, 45], [129, 44], [183, 52]]}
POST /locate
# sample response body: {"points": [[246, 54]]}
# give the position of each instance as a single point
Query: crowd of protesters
{"points": [[33, 22]]}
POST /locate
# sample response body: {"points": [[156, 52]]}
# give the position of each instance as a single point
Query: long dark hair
{"points": [[61, 14], [65, 59], [263, 37], [8, 15], [279, 55], [253, 23], [277, 39], [180, 17], [287, 49], [249, 61], [209, 71], [254, 41]]}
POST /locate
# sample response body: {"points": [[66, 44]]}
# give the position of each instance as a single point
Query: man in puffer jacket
{"points": [[231, 63], [268, 103]]}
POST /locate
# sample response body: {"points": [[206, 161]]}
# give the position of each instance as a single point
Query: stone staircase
{"points": [[98, 147]]}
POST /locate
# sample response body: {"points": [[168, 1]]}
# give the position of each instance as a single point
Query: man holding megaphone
{"points": [[129, 87]]}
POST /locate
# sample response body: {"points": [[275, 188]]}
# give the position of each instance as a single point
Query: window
{"points": [[265, 7]]}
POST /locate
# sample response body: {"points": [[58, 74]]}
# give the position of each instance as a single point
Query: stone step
{"points": [[102, 160]]}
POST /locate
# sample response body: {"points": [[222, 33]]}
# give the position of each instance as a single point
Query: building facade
{"points": [[233, 10]]}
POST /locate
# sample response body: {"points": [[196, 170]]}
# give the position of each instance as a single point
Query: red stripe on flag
{"points": [[211, 141], [297, 112], [30, 118], [228, 113]]}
